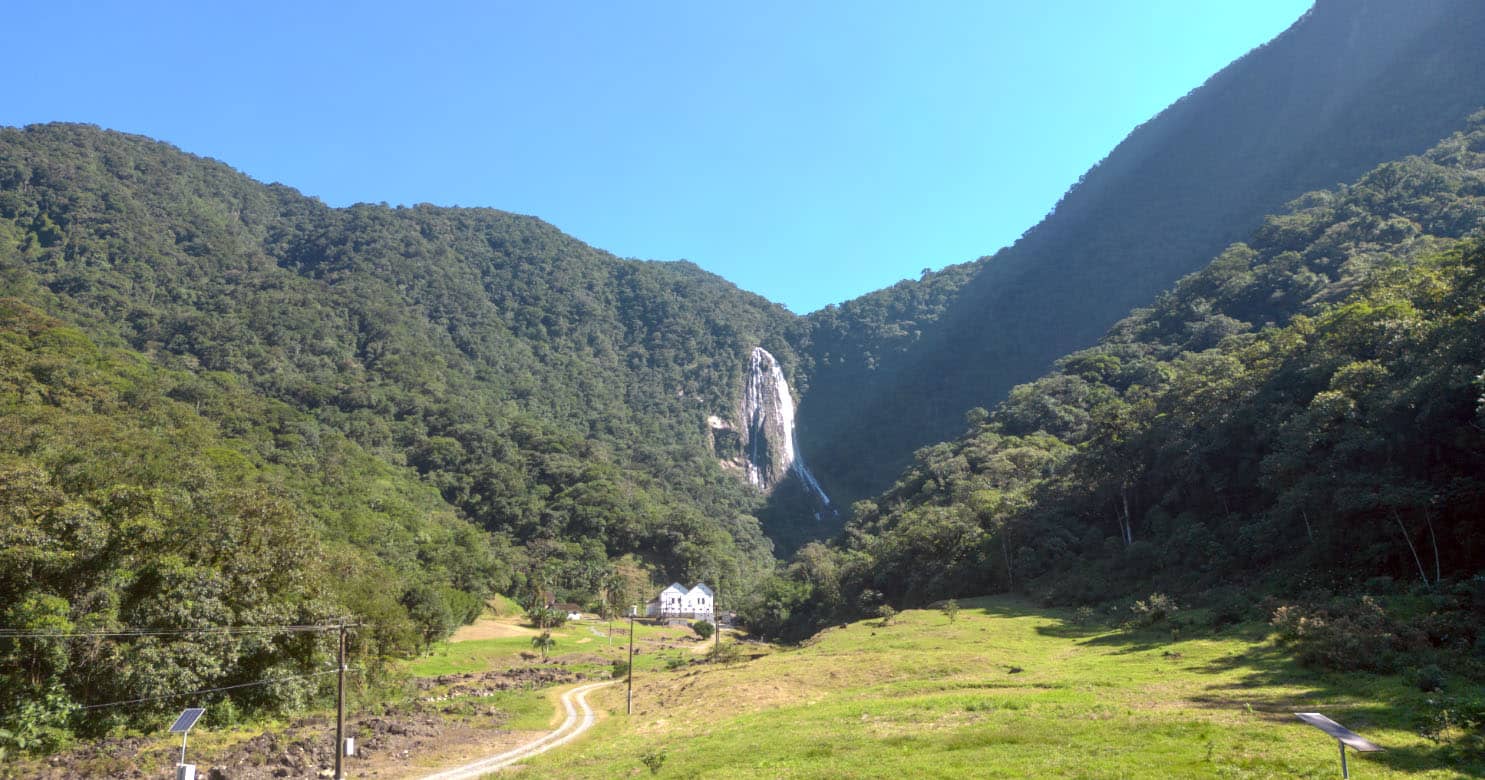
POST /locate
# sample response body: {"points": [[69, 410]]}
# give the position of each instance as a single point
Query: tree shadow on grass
{"points": [[1272, 685]]}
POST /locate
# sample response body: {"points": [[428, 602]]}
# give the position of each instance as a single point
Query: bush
{"points": [[654, 760], [620, 669], [1153, 609], [1347, 636], [35, 725], [1429, 679], [703, 629], [725, 654], [887, 614], [950, 609], [546, 617], [1455, 721], [1286, 621], [1228, 607]]}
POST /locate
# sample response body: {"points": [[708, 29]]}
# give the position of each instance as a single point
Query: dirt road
{"points": [[571, 727]]}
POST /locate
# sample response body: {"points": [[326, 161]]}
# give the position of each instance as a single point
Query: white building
{"points": [[698, 603]]}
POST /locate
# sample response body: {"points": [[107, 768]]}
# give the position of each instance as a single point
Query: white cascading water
{"points": [[768, 416]]}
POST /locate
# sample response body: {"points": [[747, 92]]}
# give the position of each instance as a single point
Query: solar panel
{"points": [[1344, 735], [187, 719]]}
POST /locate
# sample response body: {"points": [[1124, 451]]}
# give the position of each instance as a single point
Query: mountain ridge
{"points": [[1391, 79]]}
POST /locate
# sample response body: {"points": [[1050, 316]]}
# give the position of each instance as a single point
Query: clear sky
{"points": [[807, 151]]}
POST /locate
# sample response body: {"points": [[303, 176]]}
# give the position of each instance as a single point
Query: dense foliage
{"points": [[228, 404], [1302, 413], [133, 497], [1348, 87], [550, 391]]}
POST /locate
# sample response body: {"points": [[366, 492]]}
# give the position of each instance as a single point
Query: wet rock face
{"points": [[768, 444]]}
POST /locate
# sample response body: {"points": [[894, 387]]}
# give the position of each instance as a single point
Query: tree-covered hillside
{"points": [[548, 390], [138, 498], [1305, 412], [1351, 85]]}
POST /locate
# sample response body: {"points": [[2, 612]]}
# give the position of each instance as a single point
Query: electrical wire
{"points": [[19, 633], [162, 697]]}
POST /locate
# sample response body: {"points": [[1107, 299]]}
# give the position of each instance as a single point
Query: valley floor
{"points": [[1006, 690]]}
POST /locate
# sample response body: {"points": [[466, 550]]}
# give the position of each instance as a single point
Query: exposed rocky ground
{"points": [[445, 716]]}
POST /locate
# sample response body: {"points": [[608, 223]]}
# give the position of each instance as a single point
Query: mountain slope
{"points": [[1303, 413], [1352, 84], [547, 389], [142, 498]]}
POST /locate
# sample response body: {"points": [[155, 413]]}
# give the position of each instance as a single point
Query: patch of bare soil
{"points": [[491, 629]]}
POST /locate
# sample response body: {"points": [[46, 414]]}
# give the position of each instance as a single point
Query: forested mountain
{"points": [[132, 495], [226, 403], [548, 390], [1352, 84], [1307, 412]]}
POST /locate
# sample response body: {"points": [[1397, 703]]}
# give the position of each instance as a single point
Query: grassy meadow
{"points": [[1006, 690]]}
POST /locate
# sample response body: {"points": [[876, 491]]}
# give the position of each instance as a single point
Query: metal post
{"points": [[340, 707], [629, 704], [717, 619], [1345, 773]]}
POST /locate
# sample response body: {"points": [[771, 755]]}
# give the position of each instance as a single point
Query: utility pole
{"points": [[629, 703], [340, 707], [717, 620]]}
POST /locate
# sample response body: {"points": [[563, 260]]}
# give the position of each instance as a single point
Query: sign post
{"points": [[1343, 737]]}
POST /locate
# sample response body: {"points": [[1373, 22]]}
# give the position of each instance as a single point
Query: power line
{"points": [[19, 633], [210, 690]]}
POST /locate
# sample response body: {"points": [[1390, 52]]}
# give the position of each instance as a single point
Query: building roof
{"points": [[701, 586]]}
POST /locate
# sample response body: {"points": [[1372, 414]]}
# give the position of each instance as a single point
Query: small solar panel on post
{"points": [[182, 726], [1343, 737]]}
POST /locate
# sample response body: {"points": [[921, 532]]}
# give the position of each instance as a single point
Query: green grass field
{"points": [[582, 646], [1005, 691]]}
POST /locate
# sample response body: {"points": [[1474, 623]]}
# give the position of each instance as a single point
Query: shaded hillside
{"points": [[548, 390], [1352, 84], [1304, 414]]}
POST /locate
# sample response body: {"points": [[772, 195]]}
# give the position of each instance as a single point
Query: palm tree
{"points": [[544, 642]]}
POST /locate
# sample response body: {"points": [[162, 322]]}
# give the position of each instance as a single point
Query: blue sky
{"points": [[807, 151]]}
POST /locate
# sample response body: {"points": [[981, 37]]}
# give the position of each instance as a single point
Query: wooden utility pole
{"points": [[717, 619], [340, 707], [629, 703]]}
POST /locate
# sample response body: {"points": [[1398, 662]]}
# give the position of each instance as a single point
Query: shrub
{"points": [[1228, 607], [1347, 636], [1085, 616], [1286, 621], [654, 760], [950, 609], [1153, 609], [703, 629], [1429, 678], [887, 614], [1447, 719], [546, 617], [620, 669], [724, 654]]}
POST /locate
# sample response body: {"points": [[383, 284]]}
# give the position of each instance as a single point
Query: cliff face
{"points": [[763, 446]]}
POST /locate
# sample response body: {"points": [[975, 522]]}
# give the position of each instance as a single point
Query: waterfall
{"points": [[768, 421]]}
